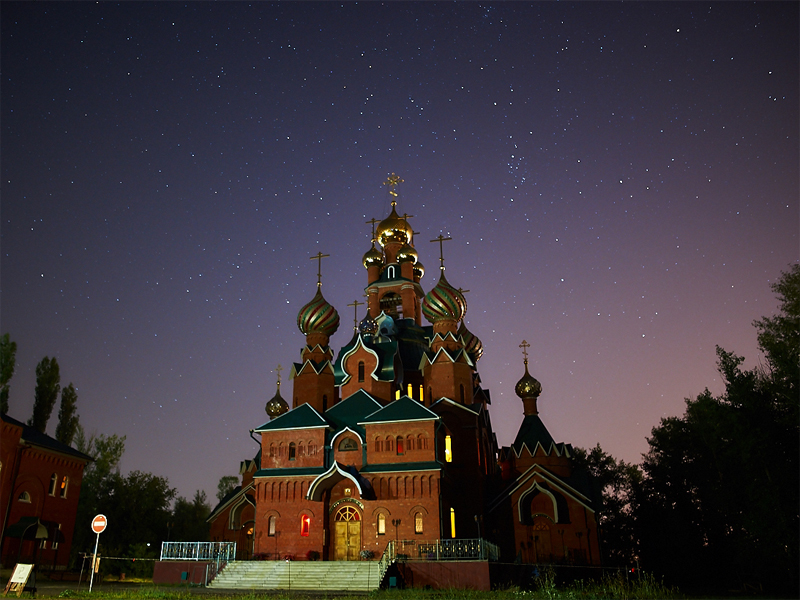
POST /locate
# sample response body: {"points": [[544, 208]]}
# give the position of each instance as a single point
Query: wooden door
{"points": [[347, 534]]}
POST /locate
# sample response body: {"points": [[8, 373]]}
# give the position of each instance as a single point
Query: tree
{"points": [[618, 484], [67, 416], [227, 483], [189, 519], [8, 355], [720, 496], [48, 384]]}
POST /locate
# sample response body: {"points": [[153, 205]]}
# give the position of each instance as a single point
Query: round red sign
{"points": [[99, 523]]}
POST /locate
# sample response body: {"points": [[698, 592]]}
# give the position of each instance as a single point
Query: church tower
{"points": [[314, 381]]}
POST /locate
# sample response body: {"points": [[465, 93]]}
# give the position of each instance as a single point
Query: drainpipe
{"points": [[13, 486]]}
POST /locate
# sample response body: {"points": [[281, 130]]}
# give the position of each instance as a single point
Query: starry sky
{"points": [[620, 182]]}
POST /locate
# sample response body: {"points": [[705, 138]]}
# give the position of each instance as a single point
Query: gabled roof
{"points": [[565, 486], [352, 410], [336, 473], [532, 432], [33, 436], [357, 342], [302, 417], [236, 495], [403, 409], [474, 409]]}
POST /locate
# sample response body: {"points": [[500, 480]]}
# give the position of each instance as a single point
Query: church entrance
{"points": [[347, 534]]}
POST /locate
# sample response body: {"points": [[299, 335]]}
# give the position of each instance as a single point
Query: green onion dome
{"points": [[407, 254], [393, 228], [277, 405], [373, 258], [444, 303], [528, 386], [318, 316], [472, 344]]}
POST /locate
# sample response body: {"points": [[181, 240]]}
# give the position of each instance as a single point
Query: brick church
{"points": [[391, 438]]}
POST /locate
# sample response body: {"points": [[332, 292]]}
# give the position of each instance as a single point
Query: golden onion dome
{"points": [[528, 386], [373, 257], [393, 229], [277, 405], [407, 254], [419, 270]]}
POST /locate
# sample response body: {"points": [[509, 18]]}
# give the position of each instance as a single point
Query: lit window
{"points": [[421, 393], [64, 486], [399, 445], [418, 523], [453, 523], [348, 444], [397, 394], [271, 526], [448, 449], [409, 391], [305, 525], [381, 524], [292, 451], [53, 484], [360, 371]]}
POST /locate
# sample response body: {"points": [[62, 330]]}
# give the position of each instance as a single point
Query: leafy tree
{"points": [[227, 483], [189, 519], [48, 384], [8, 355], [618, 483], [67, 416], [720, 498]]}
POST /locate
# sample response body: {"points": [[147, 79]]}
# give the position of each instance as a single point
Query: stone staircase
{"points": [[329, 576]]}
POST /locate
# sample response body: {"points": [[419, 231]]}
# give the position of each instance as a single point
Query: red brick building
{"points": [[392, 437], [40, 483]]}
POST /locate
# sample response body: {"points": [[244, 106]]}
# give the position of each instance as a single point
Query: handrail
{"points": [[216, 551]]}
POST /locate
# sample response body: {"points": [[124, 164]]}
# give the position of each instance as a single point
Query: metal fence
{"points": [[216, 551], [416, 550]]}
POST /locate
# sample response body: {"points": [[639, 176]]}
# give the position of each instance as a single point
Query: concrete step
{"points": [[301, 575]]}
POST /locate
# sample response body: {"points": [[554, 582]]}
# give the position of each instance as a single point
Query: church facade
{"points": [[391, 437]]}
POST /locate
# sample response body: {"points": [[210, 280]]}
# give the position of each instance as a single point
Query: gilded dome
{"points": [[318, 316], [419, 270], [373, 257], [444, 302], [393, 228], [472, 344], [277, 405], [407, 254], [528, 386], [368, 325]]}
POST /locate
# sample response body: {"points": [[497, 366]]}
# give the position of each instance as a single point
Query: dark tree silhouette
{"points": [[48, 384]]}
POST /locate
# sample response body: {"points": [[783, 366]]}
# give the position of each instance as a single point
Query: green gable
{"points": [[302, 417], [404, 409]]}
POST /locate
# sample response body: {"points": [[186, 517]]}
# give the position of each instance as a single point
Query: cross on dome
{"points": [[355, 304], [441, 239], [318, 257], [525, 345], [393, 181]]}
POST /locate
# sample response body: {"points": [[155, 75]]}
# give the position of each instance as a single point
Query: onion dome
{"points": [[407, 254], [318, 316], [419, 270], [393, 228], [373, 258], [444, 303], [277, 406], [472, 344], [368, 325], [528, 386]]}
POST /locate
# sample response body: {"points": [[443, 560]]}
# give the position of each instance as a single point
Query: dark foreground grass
{"points": [[612, 587]]}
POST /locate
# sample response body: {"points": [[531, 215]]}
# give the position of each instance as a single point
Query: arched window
{"points": [[399, 445], [381, 524], [421, 442], [348, 444], [272, 450], [25, 497], [378, 444], [292, 451], [64, 486], [53, 484], [361, 371], [409, 443], [312, 449], [388, 446], [410, 390], [301, 449], [418, 523], [271, 526], [461, 387], [453, 523], [305, 525]]}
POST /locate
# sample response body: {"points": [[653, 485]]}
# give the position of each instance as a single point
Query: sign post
{"points": [[99, 524]]}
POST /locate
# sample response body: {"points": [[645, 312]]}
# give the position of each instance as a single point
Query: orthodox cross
{"points": [[525, 345], [279, 369], [393, 181], [355, 306], [372, 222], [318, 257], [441, 239]]}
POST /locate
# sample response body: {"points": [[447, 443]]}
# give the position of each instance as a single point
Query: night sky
{"points": [[620, 182]]}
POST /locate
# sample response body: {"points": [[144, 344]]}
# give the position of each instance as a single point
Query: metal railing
{"points": [[440, 550], [215, 551]]}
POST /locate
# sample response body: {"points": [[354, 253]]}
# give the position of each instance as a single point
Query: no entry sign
{"points": [[99, 524]]}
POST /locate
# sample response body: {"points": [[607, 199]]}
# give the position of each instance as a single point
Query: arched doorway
{"points": [[347, 533]]}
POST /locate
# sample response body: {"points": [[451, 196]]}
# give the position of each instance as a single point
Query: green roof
{"points": [[289, 472], [403, 409], [406, 466], [531, 432], [352, 410], [302, 417]]}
